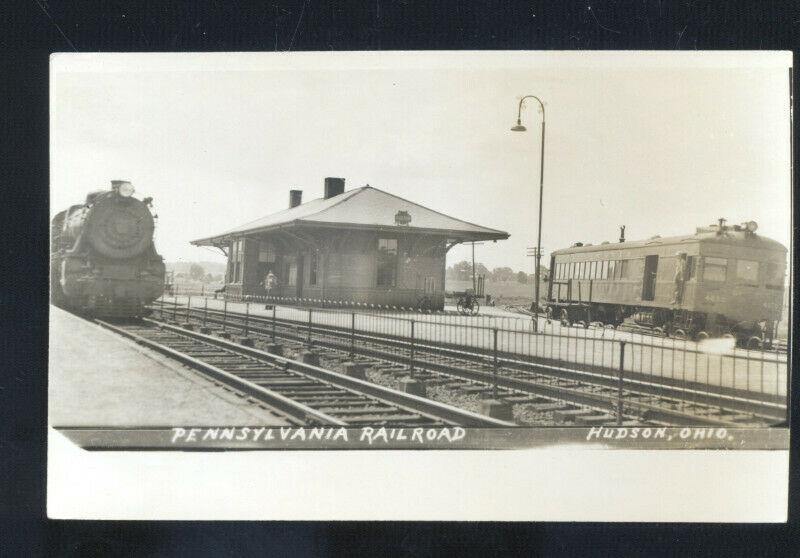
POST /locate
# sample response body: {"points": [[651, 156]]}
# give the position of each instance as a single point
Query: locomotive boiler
{"points": [[102, 258], [721, 281]]}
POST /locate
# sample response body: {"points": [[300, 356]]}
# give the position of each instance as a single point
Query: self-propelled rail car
{"points": [[720, 281]]}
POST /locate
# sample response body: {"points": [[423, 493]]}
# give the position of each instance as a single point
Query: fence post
{"points": [[175, 309], [619, 388], [352, 334], [203, 290], [412, 345], [494, 387], [274, 306], [161, 314], [188, 308], [224, 313], [309, 326], [246, 318], [205, 311]]}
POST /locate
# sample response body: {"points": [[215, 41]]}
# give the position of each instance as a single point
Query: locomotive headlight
{"points": [[126, 189], [751, 226]]}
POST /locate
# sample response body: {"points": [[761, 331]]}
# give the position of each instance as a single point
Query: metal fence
{"points": [[711, 366]]}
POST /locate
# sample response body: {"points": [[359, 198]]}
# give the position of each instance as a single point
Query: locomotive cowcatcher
{"points": [[102, 258], [721, 281]]}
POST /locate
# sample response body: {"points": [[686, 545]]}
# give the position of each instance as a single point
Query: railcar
{"points": [[721, 281], [102, 258]]}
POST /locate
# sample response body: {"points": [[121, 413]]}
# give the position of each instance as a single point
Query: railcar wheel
{"points": [[660, 331], [581, 323], [679, 334], [754, 342], [565, 321], [475, 307], [702, 336]]}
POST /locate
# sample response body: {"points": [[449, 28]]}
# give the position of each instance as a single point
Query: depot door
{"points": [[649, 280]]}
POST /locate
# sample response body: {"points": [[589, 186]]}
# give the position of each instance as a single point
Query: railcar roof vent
{"points": [[605, 242], [578, 244]]}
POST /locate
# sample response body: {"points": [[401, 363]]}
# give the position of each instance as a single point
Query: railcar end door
{"points": [[649, 280]]}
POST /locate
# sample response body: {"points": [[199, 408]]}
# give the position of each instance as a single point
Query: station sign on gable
{"points": [[402, 218]]}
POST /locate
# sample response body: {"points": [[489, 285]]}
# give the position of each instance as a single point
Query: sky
{"points": [[659, 142]]}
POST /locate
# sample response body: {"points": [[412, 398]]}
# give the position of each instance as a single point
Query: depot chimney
{"points": [[295, 198], [333, 187]]}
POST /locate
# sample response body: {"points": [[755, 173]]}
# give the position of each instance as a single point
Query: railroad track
{"points": [[303, 393], [565, 395]]}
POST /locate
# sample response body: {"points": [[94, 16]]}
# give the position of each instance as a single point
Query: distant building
{"points": [[364, 245]]}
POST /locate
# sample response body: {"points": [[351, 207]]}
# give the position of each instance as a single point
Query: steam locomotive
{"points": [[721, 281], [102, 258]]}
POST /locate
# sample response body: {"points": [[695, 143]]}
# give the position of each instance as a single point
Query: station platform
{"points": [[97, 378]]}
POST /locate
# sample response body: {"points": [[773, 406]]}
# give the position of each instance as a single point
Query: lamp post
{"points": [[520, 128]]}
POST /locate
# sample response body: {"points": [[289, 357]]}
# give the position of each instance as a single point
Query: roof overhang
{"points": [[448, 234]]}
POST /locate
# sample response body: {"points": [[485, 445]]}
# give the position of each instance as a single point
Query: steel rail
{"points": [[292, 409], [431, 409]]}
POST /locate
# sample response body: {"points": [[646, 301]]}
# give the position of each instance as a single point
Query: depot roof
{"points": [[362, 208]]}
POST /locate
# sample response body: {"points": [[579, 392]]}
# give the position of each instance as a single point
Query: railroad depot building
{"points": [[359, 246]]}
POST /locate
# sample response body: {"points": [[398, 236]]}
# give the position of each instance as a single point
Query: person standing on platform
{"points": [[270, 282]]}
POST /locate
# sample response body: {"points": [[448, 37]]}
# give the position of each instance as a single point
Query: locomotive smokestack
{"points": [[295, 198], [333, 187], [622, 234]]}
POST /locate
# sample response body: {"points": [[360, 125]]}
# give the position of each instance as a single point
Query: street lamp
{"points": [[520, 128]]}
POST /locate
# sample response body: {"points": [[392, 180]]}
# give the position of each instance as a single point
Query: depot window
{"points": [[387, 262], [715, 269], [237, 255], [747, 272], [312, 269]]}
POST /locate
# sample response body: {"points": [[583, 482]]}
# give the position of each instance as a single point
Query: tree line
{"points": [[462, 271]]}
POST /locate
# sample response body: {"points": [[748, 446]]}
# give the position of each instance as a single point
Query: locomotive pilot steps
{"points": [[102, 258], [720, 281]]}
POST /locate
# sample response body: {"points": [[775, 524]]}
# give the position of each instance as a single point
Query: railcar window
{"points": [[387, 262], [612, 267], [624, 269], [775, 273], [747, 271], [604, 269], [715, 269], [571, 272], [593, 270]]}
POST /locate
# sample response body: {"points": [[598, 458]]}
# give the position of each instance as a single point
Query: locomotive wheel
{"points": [[660, 331], [565, 321], [581, 323], [754, 342], [475, 307], [679, 334], [702, 336]]}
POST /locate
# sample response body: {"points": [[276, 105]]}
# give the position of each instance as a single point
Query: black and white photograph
{"points": [[454, 259]]}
